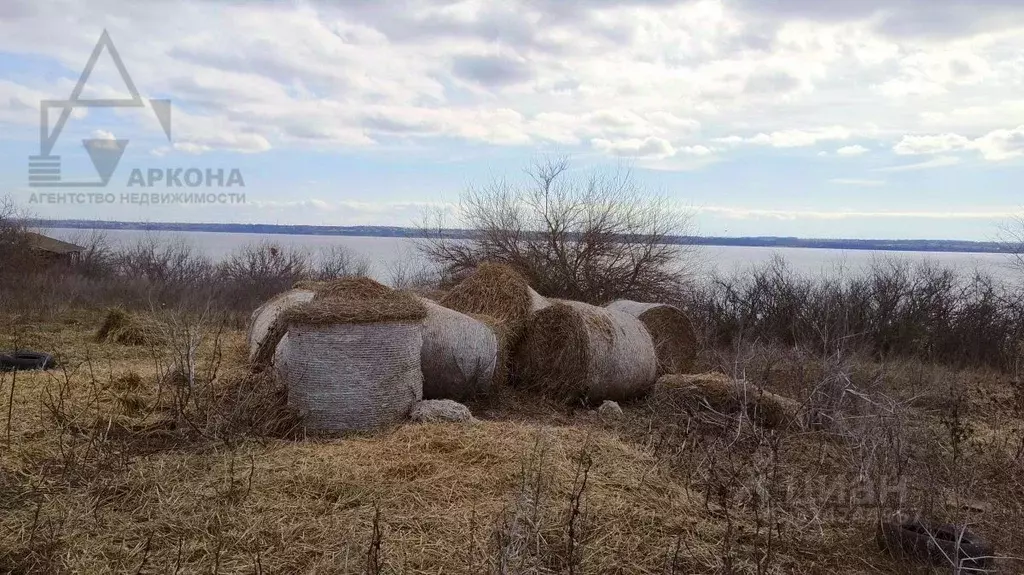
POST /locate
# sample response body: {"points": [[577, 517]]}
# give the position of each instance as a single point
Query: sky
{"points": [[847, 118]]}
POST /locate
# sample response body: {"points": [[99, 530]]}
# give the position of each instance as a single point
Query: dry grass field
{"points": [[120, 461]]}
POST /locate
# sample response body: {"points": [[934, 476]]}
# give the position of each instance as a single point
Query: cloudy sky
{"points": [[847, 118]]}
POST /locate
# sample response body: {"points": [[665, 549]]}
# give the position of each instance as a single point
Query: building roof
{"points": [[52, 245]]}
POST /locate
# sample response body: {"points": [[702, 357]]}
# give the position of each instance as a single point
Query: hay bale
{"points": [[353, 287], [497, 291], [460, 355], [440, 410], [675, 340], [573, 351], [120, 326], [266, 327], [353, 364], [677, 393]]}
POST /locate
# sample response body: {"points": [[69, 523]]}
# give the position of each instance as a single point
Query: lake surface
{"points": [[385, 254]]}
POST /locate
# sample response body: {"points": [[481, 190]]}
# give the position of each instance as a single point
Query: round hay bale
{"points": [[459, 356], [265, 326], [675, 340], [353, 364], [499, 292], [575, 351]]}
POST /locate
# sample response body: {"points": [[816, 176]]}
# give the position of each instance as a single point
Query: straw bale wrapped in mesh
{"points": [[575, 351], [676, 394], [265, 326], [499, 292], [460, 357], [353, 364], [675, 340], [266, 329]]}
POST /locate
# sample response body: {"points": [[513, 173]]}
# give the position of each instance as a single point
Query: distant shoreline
{"points": [[955, 246]]}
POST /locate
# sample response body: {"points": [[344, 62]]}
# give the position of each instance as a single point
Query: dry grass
{"points": [[497, 291], [392, 306], [126, 328], [720, 393], [101, 474], [352, 287]]}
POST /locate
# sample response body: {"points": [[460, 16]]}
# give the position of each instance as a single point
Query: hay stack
{"points": [[353, 363], [358, 287], [574, 351], [716, 391], [266, 328], [460, 357], [675, 340], [497, 291], [125, 328]]}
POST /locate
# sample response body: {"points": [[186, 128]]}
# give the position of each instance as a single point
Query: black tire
{"points": [[26, 360], [937, 545]]}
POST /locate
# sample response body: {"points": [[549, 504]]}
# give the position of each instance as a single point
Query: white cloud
{"points": [[657, 79], [855, 150], [994, 146], [931, 144], [1001, 144], [791, 138], [651, 147]]}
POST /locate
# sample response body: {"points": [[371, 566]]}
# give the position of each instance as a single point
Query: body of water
{"points": [[386, 253]]}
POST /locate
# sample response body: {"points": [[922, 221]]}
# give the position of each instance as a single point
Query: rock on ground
{"points": [[440, 410], [609, 410]]}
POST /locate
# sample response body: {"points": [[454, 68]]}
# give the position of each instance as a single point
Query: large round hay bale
{"points": [[460, 356], [575, 351], [353, 364], [265, 326], [675, 340], [497, 291]]}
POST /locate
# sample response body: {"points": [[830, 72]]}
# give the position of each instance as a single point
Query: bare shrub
{"points": [[407, 272], [14, 252], [593, 237], [338, 262], [893, 309]]}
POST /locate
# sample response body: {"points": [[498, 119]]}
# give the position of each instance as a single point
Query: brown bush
{"points": [[593, 238]]}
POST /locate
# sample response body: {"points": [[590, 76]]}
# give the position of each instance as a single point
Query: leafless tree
{"points": [[338, 262], [14, 253], [592, 237], [1012, 234]]}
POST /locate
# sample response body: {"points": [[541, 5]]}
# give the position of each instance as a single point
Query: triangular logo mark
{"points": [[105, 155], [162, 109], [106, 42]]}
